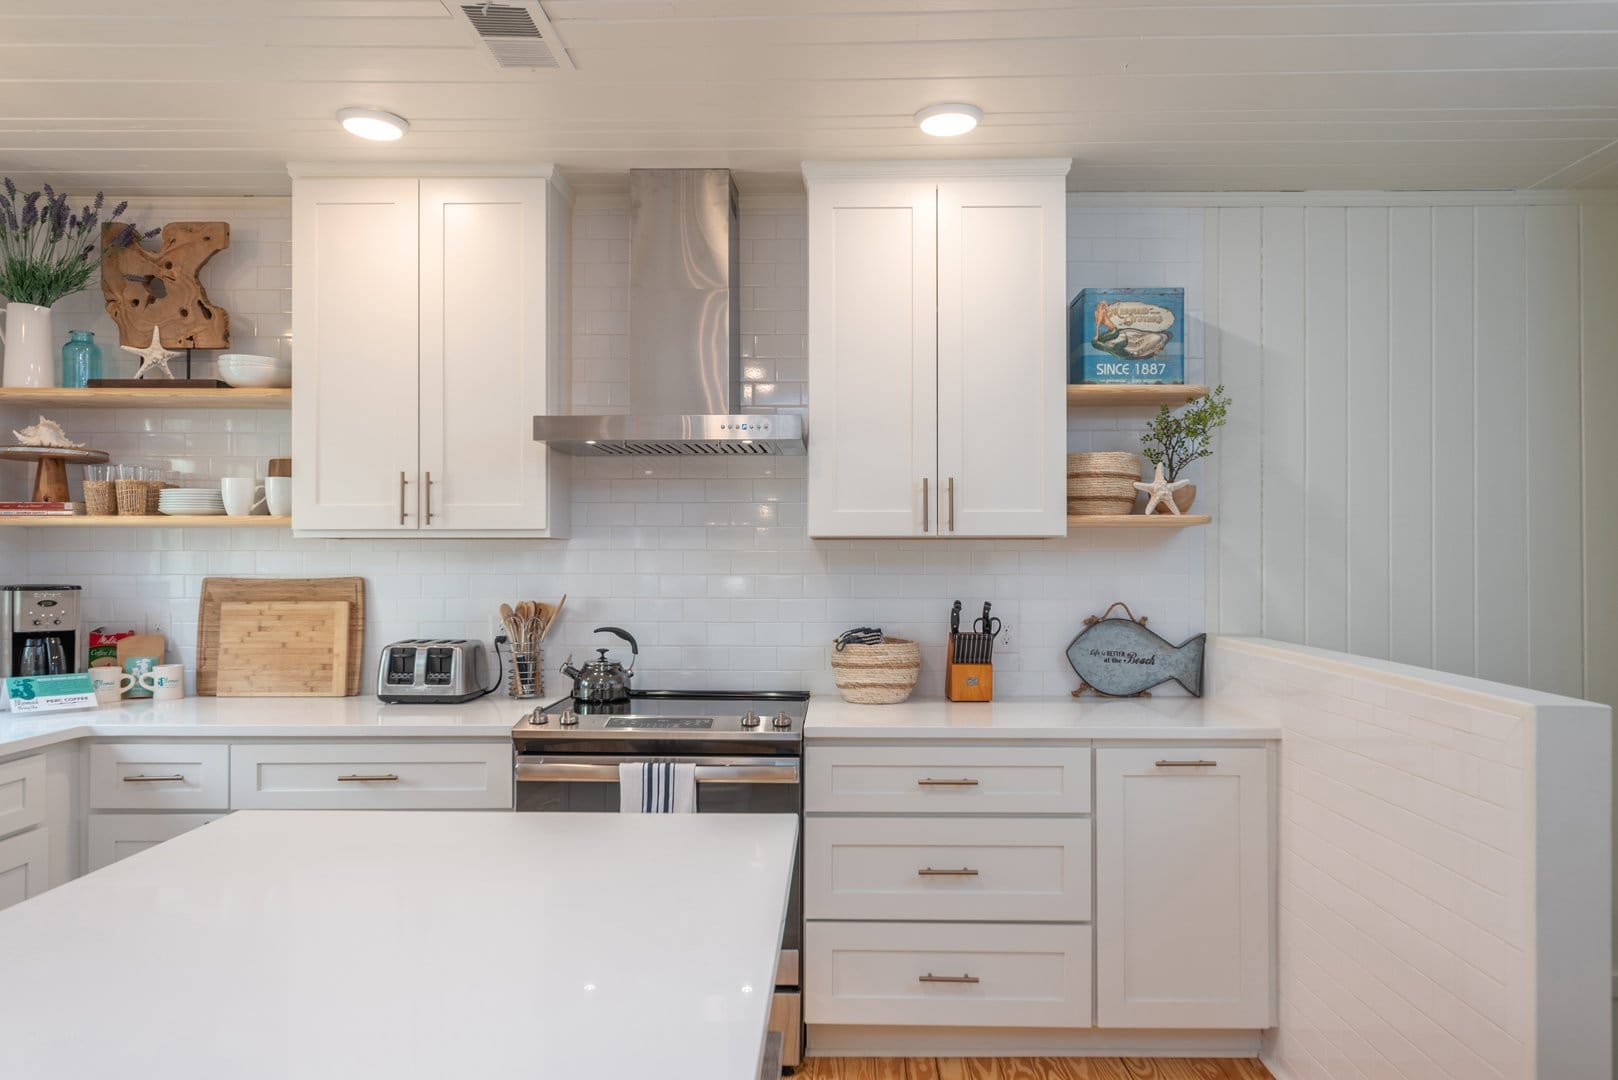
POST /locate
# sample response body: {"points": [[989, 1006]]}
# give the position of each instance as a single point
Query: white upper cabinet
{"points": [[427, 316], [1183, 887], [937, 349]]}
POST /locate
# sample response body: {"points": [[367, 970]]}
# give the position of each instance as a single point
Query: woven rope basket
{"points": [[100, 500], [1102, 482], [882, 674]]}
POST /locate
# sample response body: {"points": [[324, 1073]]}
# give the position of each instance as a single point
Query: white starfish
{"points": [[1160, 492], [153, 356]]}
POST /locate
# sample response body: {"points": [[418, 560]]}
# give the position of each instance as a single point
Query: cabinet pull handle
{"points": [[1185, 764], [951, 488], [402, 482], [144, 779], [928, 871], [378, 777], [928, 781], [428, 493], [930, 977], [924, 504]]}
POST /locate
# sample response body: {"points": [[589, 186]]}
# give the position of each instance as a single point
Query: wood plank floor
{"points": [[1095, 1068]]}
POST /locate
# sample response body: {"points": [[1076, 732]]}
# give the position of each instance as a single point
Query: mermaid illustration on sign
{"points": [[1132, 329]]}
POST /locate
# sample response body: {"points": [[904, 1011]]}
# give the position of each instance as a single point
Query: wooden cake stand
{"points": [[50, 479]]}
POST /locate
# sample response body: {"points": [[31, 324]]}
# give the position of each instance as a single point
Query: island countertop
{"points": [[316, 945]]}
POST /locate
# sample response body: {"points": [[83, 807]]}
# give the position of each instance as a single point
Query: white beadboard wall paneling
{"points": [[1368, 452], [707, 562], [1240, 460], [1454, 426], [1325, 417], [1283, 385], [1410, 414]]}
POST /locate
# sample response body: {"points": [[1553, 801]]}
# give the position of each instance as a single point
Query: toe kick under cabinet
{"points": [[1007, 885]]}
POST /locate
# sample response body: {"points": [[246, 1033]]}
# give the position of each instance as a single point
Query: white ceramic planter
{"points": [[29, 359]]}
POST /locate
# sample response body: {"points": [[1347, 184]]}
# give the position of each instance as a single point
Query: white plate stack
{"points": [[190, 502]]}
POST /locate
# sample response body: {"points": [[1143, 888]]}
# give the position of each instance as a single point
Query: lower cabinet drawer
{"points": [[994, 869], [947, 974], [22, 794], [160, 776], [24, 866], [118, 836], [371, 776]]}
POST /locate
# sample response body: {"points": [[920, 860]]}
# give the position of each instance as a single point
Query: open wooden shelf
{"points": [[1136, 521], [147, 521], [58, 397], [1117, 394]]}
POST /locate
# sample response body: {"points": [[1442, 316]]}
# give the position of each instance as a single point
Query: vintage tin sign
{"points": [[1126, 336]]}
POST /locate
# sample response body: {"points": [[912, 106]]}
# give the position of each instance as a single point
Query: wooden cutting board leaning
{"points": [[283, 648], [217, 591]]}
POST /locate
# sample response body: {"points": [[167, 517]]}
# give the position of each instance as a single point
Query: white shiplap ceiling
{"points": [[215, 96]]}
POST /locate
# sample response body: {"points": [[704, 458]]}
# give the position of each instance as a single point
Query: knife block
{"points": [[967, 682]]}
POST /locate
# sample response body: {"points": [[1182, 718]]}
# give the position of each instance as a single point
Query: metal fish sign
{"points": [[1120, 657]]}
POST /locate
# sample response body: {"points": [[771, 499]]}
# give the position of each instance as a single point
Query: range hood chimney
{"points": [[684, 333]]}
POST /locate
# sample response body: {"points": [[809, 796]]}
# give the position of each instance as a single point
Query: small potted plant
{"points": [[47, 251], [1176, 441]]}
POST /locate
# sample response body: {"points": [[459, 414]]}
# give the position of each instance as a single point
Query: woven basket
{"points": [[100, 500], [882, 674], [131, 497], [1102, 482], [154, 488]]}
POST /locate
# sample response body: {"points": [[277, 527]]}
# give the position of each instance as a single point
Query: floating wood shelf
{"points": [[58, 397], [1136, 521], [1120, 395], [148, 521]]}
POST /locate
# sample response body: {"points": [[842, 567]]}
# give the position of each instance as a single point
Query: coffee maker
{"points": [[39, 630]]}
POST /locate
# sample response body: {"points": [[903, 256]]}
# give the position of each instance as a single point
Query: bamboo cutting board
{"points": [[283, 648], [219, 590]]}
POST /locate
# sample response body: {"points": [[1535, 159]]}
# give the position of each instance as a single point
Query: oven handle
{"points": [[604, 770]]}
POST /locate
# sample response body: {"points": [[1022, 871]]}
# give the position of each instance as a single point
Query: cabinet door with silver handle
{"points": [[402, 483], [170, 776]]}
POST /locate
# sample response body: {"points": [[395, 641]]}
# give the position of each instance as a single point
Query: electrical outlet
{"points": [[1005, 642], [157, 625]]}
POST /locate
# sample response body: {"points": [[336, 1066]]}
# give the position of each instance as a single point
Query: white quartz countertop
{"points": [[213, 717], [335, 945], [1154, 718]]}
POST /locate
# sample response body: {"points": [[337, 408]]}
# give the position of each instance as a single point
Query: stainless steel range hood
{"points": [[684, 333]]}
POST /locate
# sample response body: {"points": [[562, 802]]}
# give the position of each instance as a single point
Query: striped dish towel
{"points": [[656, 787]]}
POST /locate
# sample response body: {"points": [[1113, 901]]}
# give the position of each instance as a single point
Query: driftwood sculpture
{"points": [[161, 289]]}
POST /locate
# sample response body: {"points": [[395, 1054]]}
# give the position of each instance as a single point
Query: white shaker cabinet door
{"points": [[24, 866], [1002, 356], [1183, 910], [354, 325], [873, 358], [485, 286]]}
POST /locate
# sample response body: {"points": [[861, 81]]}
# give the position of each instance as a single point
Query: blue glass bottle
{"points": [[81, 358]]}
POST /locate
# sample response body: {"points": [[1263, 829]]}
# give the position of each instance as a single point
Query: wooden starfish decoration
{"points": [[152, 357], [1160, 492]]}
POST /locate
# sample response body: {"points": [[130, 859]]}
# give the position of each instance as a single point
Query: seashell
{"points": [[46, 433]]}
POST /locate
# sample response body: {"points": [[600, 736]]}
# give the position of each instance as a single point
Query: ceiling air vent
{"points": [[517, 36]]}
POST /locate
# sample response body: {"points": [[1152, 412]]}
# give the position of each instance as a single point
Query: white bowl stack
{"points": [[190, 502], [250, 370]]}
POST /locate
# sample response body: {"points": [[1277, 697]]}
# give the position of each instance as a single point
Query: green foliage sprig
{"points": [[47, 249], [1176, 441]]}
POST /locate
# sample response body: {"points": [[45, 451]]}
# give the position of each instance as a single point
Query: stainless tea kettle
{"points": [[603, 681]]}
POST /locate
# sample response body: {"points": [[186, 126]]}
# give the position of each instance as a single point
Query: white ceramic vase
{"points": [[29, 359]]}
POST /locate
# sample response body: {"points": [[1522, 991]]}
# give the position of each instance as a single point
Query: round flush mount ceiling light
{"points": [[373, 124], [954, 118]]}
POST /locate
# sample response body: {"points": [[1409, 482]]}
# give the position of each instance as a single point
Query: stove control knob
{"points": [[750, 719], [536, 718], [569, 718], [782, 721]]}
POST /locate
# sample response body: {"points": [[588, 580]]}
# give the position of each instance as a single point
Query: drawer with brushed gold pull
{"points": [[947, 974], [160, 776], [921, 779], [371, 775], [994, 869]]}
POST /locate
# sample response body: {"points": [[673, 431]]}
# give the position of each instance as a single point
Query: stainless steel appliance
{"points": [[40, 632], [747, 747], [431, 671], [685, 368]]}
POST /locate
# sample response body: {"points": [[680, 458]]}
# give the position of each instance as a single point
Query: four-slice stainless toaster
{"points": [[431, 671]]}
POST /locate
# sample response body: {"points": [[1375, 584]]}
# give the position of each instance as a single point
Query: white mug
{"points": [[109, 683], [240, 495], [165, 681], [278, 495]]}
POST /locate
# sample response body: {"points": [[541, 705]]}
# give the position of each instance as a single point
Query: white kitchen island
{"points": [[428, 945]]}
